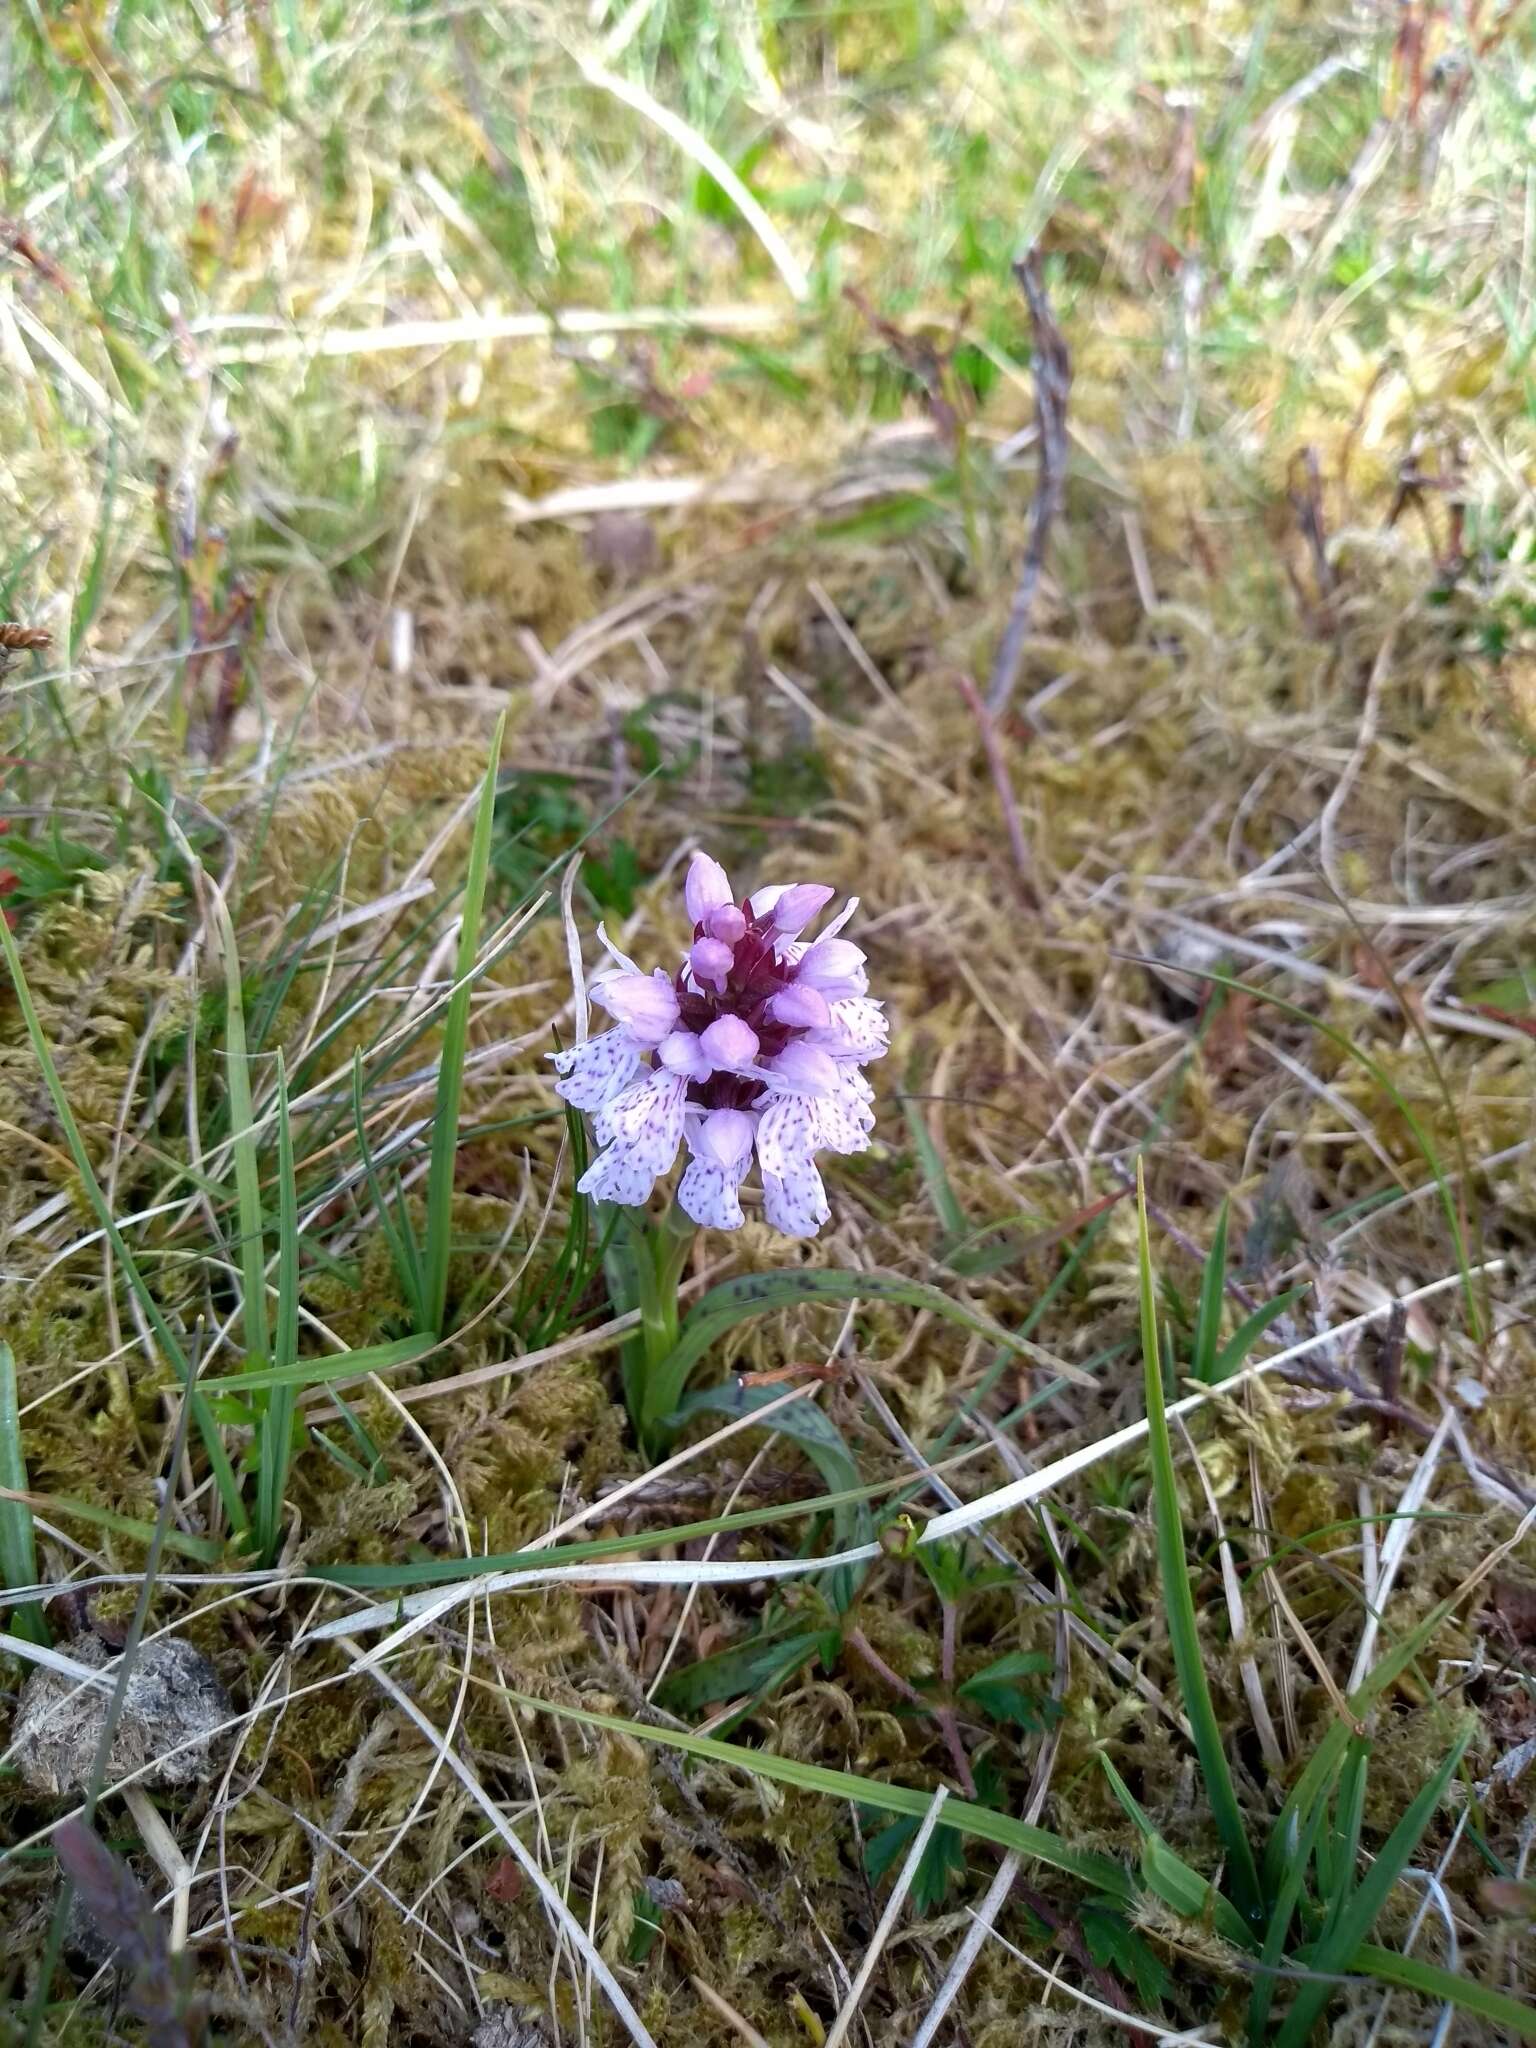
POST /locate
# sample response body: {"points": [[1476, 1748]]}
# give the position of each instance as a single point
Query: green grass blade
{"points": [[1213, 1294], [1334, 1953], [203, 1548], [218, 1458], [1513, 2016], [1327, 1758], [1384, 1081], [1293, 1877], [244, 1151], [946, 1204], [398, 1234], [1184, 1634], [1233, 1355], [450, 1073], [980, 1822], [1165, 1873], [317, 1372], [18, 1550], [275, 1436]]}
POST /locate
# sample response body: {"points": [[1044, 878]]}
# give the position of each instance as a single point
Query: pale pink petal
{"points": [[647, 1119], [840, 920], [681, 1053], [711, 961], [804, 1067], [727, 924], [707, 887], [795, 1202], [786, 1133], [646, 1004], [835, 967], [723, 1138], [729, 1044], [622, 959], [711, 1196], [590, 1074], [842, 1122], [801, 1007], [795, 907]]}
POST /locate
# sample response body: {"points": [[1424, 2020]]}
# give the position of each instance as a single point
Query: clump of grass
{"points": [[349, 423]]}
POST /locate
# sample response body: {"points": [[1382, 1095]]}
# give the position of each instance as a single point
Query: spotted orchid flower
{"points": [[756, 1045]]}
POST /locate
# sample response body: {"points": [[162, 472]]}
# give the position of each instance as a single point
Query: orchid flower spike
{"points": [[756, 1046]]}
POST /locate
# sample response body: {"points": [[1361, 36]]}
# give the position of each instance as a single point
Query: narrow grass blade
{"points": [[1169, 1877], [946, 1204], [317, 1372], [61, 1505], [1293, 1877], [1334, 1953], [218, 1458], [1184, 1634], [1388, 1086], [1233, 1355], [18, 1550], [450, 1073], [1388, 1967], [244, 1151], [1213, 1294], [1037, 1844], [275, 1436], [398, 1234]]}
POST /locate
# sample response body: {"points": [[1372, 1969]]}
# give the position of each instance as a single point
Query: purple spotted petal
{"points": [[591, 1074], [795, 1202]]}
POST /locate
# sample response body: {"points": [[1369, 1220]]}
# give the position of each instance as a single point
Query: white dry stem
{"points": [[419, 1611], [888, 1919], [1394, 1548], [564, 1919], [1237, 1617]]}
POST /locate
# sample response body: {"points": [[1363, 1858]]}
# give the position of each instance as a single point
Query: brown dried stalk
{"points": [[1053, 380]]}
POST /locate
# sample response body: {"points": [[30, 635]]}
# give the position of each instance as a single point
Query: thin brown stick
{"points": [[1052, 365], [1003, 784]]}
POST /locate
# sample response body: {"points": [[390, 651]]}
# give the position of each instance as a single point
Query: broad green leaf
{"points": [[1000, 1693], [937, 1868], [1115, 1944], [753, 1667], [756, 1294], [804, 1424], [1169, 1877]]}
